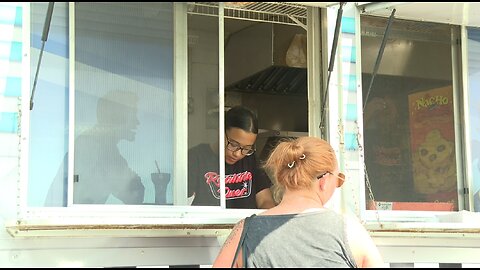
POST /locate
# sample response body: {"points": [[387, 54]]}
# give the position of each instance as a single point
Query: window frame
{"points": [[112, 216], [435, 222], [203, 220]]}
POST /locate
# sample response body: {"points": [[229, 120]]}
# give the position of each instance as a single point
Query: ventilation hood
{"points": [[267, 58]]}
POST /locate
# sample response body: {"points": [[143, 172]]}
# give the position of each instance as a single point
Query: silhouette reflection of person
{"points": [[100, 169]]}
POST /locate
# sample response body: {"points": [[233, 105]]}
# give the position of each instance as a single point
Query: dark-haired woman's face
{"points": [[239, 139]]}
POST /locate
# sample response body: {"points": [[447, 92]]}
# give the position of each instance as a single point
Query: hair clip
{"points": [[290, 165], [302, 157]]}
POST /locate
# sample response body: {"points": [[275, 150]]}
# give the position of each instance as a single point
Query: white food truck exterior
{"points": [[65, 62]]}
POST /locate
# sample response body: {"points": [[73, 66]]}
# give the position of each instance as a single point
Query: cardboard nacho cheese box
{"points": [[432, 141]]}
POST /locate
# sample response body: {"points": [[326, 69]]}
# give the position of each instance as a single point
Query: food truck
{"points": [[100, 102]]}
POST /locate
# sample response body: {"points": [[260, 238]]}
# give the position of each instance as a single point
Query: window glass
{"points": [[408, 116], [123, 103], [474, 110], [49, 114], [253, 81], [123, 106], [203, 112]]}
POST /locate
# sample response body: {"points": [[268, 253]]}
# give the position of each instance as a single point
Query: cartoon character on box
{"points": [[434, 168]]}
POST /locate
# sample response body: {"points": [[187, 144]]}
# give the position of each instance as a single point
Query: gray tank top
{"points": [[313, 239]]}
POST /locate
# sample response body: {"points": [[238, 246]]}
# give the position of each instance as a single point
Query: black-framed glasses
{"points": [[234, 147], [340, 178]]}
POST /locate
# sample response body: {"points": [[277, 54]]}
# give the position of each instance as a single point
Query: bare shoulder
{"points": [[363, 247], [236, 231], [227, 252], [356, 231]]}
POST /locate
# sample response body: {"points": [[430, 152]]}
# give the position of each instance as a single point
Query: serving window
{"points": [[113, 100], [123, 92], [410, 135], [103, 100]]}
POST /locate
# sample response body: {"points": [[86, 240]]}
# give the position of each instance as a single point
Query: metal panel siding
{"points": [[11, 56], [16, 51], [348, 54], [348, 25], [349, 59], [11, 14], [351, 141], [106, 251], [350, 82], [13, 87], [8, 122]]}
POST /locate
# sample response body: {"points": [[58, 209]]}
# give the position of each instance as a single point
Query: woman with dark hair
{"points": [[246, 185]]}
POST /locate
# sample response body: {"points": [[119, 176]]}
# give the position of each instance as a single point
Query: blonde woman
{"points": [[300, 231]]}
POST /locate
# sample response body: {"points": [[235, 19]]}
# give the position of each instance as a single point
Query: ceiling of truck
{"points": [[461, 13], [273, 12]]}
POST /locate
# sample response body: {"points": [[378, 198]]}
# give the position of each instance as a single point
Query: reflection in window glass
{"points": [[48, 140], [203, 115], [474, 113], [408, 117], [123, 104]]}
